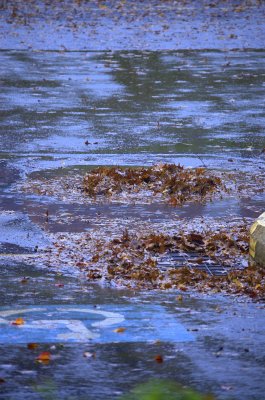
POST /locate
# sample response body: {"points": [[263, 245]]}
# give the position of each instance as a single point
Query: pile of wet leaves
{"points": [[167, 182], [139, 254], [162, 183], [131, 256], [134, 261]]}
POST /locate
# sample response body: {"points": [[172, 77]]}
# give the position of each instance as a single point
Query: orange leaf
{"points": [[119, 330], [44, 357], [18, 321], [32, 346]]}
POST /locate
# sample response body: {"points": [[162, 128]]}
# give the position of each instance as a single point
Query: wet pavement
{"points": [[212, 343], [133, 108]]}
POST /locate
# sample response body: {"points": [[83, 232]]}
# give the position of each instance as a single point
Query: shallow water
{"points": [[133, 108]]}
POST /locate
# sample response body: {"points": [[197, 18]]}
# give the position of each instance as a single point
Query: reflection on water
{"points": [[133, 107]]}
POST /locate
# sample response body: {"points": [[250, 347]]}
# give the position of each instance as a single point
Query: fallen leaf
{"points": [[44, 357], [119, 330], [18, 321], [32, 346], [159, 359], [183, 288]]}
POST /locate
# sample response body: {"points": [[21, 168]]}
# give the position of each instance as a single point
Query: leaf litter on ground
{"points": [[129, 252], [162, 183]]}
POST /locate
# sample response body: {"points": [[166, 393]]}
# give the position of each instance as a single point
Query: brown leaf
{"points": [[32, 346], [119, 330], [159, 359]]}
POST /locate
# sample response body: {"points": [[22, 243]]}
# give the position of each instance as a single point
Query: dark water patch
{"points": [[65, 217], [11, 248], [8, 174]]}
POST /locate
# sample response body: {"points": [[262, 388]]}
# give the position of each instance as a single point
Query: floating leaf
{"points": [[44, 357], [119, 330], [18, 321]]}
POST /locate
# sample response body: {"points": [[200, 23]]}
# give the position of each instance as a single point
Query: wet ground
{"points": [[211, 343], [62, 112], [138, 25]]}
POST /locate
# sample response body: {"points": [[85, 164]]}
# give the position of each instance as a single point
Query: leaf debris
{"points": [[169, 183]]}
